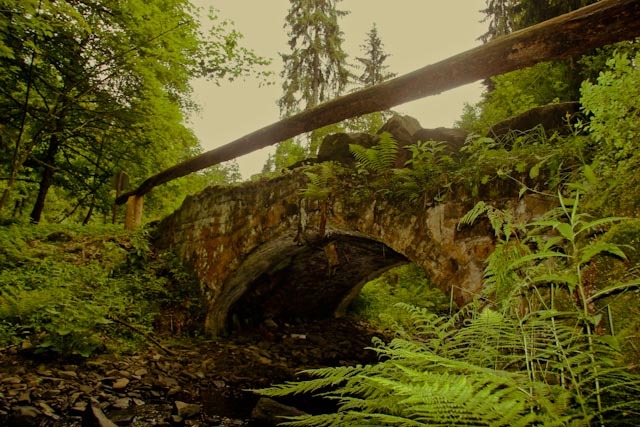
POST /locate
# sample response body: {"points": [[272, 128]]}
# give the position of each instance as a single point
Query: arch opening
{"points": [[317, 281]]}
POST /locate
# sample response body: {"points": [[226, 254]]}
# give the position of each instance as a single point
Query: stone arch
{"points": [[239, 238], [285, 281]]}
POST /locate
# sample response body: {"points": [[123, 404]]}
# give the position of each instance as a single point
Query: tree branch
{"points": [[602, 23]]}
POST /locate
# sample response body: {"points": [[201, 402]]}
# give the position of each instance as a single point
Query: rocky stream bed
{"points": [[203, 383]]}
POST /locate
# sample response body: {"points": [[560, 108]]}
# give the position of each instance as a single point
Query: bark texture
{"points": [[602, 23]]}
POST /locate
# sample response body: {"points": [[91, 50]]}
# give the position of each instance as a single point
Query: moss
{"points": [[624, 306]]}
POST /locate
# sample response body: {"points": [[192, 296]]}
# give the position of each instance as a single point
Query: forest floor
{"points": [[203, 383]]}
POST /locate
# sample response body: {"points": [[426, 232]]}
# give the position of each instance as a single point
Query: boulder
{"points": [[401, 128], [186, 410], [24, 416], [273, 413], [335, 147], [94, 417], [552, 117], [407, 130], [455, 138], [404, 129]]}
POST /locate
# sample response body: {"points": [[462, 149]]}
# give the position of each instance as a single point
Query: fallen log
{"points": [[599, 24]]}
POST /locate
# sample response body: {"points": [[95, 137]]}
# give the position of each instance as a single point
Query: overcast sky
{"points": [[415, 33]]}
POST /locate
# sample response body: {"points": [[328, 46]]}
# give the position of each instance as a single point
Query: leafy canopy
{"points": [[94, 88]]}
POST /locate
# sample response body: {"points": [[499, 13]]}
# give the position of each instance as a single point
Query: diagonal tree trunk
{"points": [[602, 23]]}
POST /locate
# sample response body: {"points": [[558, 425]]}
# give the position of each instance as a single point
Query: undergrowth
{"points": [[378, 299], [529, 352], [525, 161], [79, 290]]}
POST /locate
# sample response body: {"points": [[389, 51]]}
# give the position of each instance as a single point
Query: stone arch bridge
{"points": [[259, 252]]}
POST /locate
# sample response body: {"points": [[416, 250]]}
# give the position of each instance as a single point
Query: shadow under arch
{"points": [[287, 282]]}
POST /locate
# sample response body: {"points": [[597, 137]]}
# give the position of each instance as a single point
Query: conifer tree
{"points": [[374, 71], [506, 16], [531, 12], [315, 70], [500, 15]]}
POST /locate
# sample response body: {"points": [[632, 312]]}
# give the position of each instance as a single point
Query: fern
{"points": [[378, 159], [544, 268], [492, 371], [534, 362], [501, 221], [432, 383], [425, 173], [472, 215], [319, 186]]}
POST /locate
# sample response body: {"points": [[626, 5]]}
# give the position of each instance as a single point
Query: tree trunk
{"points": [[47, 178], [87, 218], [7, 191], [602, 23], [18, 159]]}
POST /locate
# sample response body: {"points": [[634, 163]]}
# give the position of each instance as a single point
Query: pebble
{"points": [[122, 403], [120, 383], [186, 410], [141, 390], [68, 374]]}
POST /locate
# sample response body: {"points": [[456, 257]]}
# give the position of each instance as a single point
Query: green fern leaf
{"points": [[471, 216], [378, 159]]}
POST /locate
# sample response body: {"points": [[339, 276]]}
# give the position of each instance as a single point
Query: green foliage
{"points": [[533, 359], [379, 159], [425, 173], [511, 94], [60, 287], [530, 159], [320, 183], [506, 16], [378, 299], [315, 70], [613, 104], [94, 88], [367, 123], [167, 198], [374, 70], [527, 256], [549, 272], [500, 220], [287, 153], [492, 370], [622, 308]]}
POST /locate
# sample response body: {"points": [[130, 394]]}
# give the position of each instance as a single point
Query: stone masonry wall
{"points": [[234, 235]]}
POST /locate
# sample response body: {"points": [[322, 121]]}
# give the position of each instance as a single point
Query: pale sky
{"points": [[415, 33]]}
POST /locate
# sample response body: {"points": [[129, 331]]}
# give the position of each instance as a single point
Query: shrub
{"points": [[61, 287], [523, 359]]}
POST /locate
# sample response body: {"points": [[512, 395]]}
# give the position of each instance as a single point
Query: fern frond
{"points": [[378, 159], [482, 368], [322, 378], [319, 186], [470, 217]]}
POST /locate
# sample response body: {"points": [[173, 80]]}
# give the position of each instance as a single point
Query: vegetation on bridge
{"points": [[553, 338]]}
